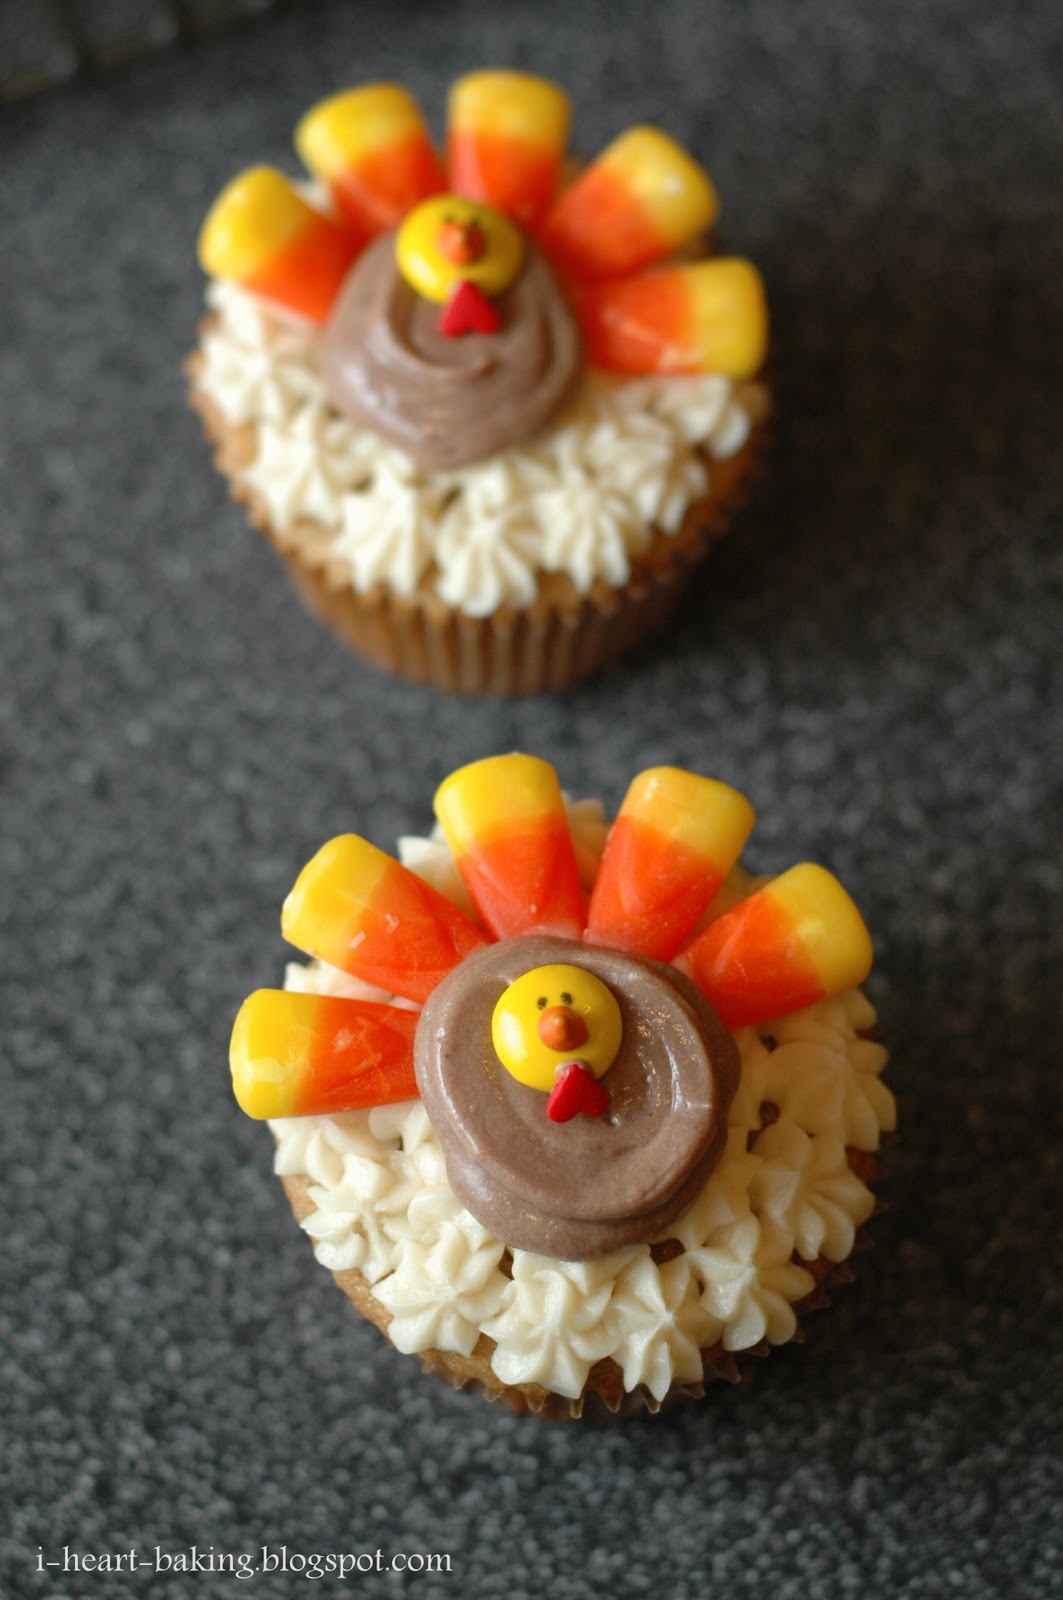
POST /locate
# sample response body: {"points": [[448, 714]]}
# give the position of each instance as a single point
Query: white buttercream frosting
{"points": [[782, 1194], [626, 456]]}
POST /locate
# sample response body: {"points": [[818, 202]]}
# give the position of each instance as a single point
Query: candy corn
{"points": [[640, 201], [505, 141], [708, 316], [504, 820], [263, 236], [303, 1055], [798, 940], [358, 909], [371, 146], [674, 841]]}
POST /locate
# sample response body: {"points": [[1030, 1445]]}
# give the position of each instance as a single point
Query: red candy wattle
{"points": [[468, 311], [576, 1090]]}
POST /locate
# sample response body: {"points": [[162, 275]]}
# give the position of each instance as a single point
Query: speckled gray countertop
{"points": [[874, 658]]}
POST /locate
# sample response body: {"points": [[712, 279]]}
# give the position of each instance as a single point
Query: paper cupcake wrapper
{"points": [[561, 639]]}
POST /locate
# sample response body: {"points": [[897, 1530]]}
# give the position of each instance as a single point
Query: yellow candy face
{"points": [[446, 239], [554, 1001]]}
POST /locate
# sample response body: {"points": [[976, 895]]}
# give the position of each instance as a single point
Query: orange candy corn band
{"points": [[798, 940], [506, 138], [360, 910], [640, 201], [261, 234], [300, 1055], [371, 146], [505, 822], [708, 316], [676, 838]]}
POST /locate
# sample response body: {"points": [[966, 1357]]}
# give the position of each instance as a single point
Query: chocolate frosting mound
{"points": [[581, 1188], [447, 401]]}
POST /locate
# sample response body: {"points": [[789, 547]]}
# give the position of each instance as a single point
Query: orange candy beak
{"points": [[504, 820], [371, 146], [798, 940], [302, 1055], [675, 839], [360, 910], [640, 201], [262, 235], [506, 140], [708, 316], [561, 1028]]}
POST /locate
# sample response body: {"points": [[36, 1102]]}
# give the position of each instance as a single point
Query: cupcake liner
{"points": [[603, 1396], [561, 639]]}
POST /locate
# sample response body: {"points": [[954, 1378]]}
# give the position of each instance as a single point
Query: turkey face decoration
{"points": [[558, 1028], [451, 336], [574, 1053], [461, 295], [461, 256], [593, 1146]]}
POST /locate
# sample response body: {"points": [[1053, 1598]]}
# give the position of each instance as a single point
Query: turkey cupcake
{"points": [[579, 1114], [491, 409]]}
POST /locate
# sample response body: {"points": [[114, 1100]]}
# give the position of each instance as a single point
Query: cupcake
{"points": [[579, 1114], [491, 410]]}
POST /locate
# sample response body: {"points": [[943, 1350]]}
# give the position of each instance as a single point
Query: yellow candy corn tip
{"points": [[730, 311], [512, 104], [829, 924], [335, 883], [709, 816], [262, 1080], [666, 178], [256, 213], [341, 127], [432, 272], [514, 1024], [498, 789]]}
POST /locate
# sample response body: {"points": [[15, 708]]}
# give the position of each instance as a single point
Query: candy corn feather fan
{"points": [[796, 940], [610, 234]]}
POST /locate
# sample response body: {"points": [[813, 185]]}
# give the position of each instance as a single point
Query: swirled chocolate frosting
{"points": [[580, 1188], [448, 401]]}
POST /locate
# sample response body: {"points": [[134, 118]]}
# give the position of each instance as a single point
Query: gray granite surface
{"points": [[874, 657]]}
